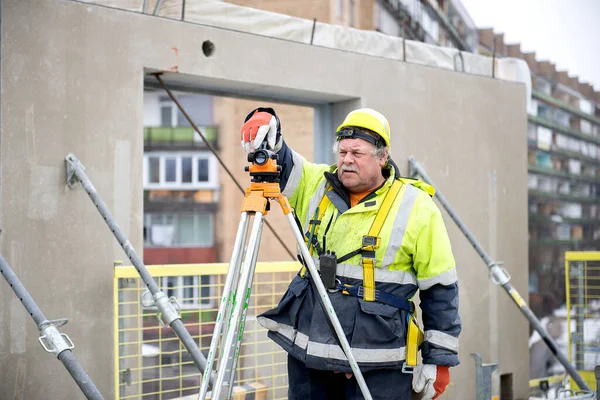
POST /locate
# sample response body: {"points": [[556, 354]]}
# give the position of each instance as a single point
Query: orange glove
{"points": [[260, 125], [432, 380]]}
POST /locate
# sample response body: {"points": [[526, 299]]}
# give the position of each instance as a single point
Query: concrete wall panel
{"points": [[72, 81]]}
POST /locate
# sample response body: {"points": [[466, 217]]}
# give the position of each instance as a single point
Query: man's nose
{"points": [[348, 158]]}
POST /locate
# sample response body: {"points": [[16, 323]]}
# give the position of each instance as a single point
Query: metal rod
{"points": [[157, 7], [193, 125], [329, 307], [75, 173], [61, 347], [500, 278], [79, 375], [144, 6], [226, 298], [312, 35]]}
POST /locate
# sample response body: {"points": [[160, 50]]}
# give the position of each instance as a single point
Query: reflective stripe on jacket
{"points": [[414, 253]]}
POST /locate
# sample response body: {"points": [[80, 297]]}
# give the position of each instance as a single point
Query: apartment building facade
{"points": [[563, 142]]}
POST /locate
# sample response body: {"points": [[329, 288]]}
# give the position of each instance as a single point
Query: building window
{"points": [[339, 8], [168, 113], [178, 229], [180, 171], [190, 291], [153, 169], [543, 85]]}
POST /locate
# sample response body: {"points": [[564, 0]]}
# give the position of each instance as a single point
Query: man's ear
{"points": [[383, 160]]}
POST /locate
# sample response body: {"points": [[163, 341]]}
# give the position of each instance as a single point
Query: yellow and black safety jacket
{"points": [[381, 265]]}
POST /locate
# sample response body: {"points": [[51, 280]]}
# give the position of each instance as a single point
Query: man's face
{"points": [[357, 167]]}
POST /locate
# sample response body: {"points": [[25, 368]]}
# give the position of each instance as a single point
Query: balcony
{"points": [[540, 218], [179, 138], [563, 129], [562, 197], [559, 174], [576, 244], [564, 106], [555, 150]]}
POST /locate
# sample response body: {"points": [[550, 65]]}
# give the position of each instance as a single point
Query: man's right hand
{"points": [[260, 125]]}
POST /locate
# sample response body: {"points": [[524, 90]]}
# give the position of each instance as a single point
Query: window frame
{"points": [[176, 216], [178, 291], [211, 184]]}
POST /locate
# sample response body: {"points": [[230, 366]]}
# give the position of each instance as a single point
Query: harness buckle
{"points": [[407, 370], [370, 243]]}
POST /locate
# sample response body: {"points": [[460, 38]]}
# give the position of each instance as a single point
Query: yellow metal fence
{"points": [[582, 277], [150, 361]]}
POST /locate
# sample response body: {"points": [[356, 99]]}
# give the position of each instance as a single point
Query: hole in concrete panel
{"points": [[506, 387], [208, 48]]}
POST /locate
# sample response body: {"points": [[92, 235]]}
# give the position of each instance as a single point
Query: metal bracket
{"points": [[125, 376], [51, 339], [498, 275], [167, 308], [72, 163], [483, 377]]}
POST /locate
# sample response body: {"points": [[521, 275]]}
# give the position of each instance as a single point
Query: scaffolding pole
{"points": [[499, 277], [50, 338], [168, 308]]}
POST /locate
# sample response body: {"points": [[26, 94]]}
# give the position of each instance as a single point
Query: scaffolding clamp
{"points": [[51, 339], [167, 307], [72, 164], [498, 275]]}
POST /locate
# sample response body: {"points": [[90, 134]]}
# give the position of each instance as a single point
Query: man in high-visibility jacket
{"points": [[389, 241]]}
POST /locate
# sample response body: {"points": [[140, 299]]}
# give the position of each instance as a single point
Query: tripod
{"points": [[264, 186]]}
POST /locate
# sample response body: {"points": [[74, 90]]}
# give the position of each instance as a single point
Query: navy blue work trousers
{"points": [[312, 384]]}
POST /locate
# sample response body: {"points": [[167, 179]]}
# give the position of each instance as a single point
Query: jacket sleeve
{"points": [[299, 178], [438, 285]]}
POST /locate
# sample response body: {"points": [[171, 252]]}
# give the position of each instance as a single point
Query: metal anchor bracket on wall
{"points": [[72, 164], [167, 308], [483, 378]]}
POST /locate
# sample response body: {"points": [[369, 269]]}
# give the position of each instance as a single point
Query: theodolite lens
{"points": [[261, 157]]}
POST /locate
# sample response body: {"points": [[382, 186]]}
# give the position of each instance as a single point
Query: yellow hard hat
{"points": [[366, 118]]}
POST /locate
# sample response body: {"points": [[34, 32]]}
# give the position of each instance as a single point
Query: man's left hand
{"points": [[432, 380]]}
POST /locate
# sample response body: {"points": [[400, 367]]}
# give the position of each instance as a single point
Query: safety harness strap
{"points": [[414, 339], [313, 228], [381, 297], [372, 241]]}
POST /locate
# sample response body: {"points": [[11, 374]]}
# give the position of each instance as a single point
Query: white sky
{"points": [[565, 32]]}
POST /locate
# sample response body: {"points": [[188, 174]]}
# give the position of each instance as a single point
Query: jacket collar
{"points": [[390, 172]]}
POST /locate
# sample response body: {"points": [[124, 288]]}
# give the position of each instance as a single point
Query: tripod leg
{"points": [[226, 299], [253, 254], [329, 307], [242, 298]]}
